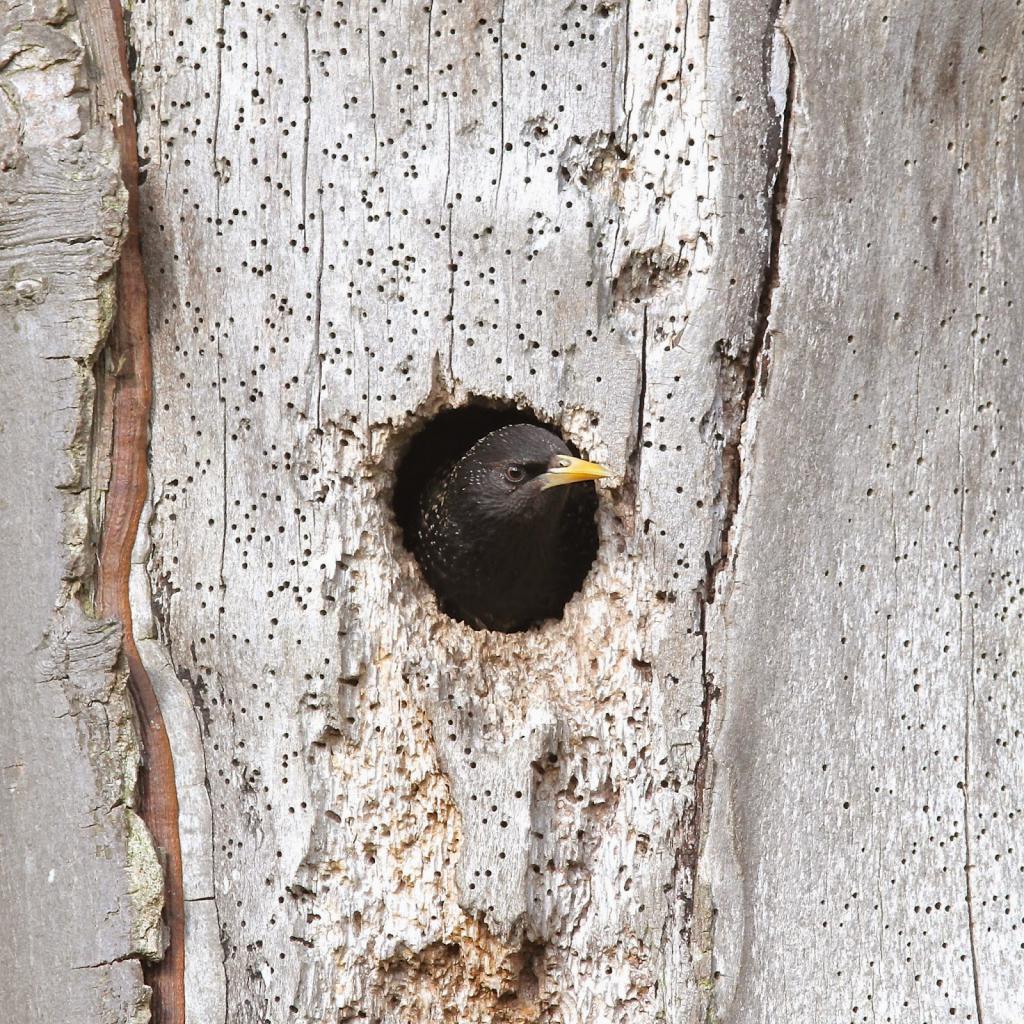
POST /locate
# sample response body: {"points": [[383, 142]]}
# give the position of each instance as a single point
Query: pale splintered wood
{"points": [[79, 882]]}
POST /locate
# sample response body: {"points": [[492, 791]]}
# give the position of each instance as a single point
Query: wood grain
{"points": [[131, 393], [864, 859], [353, 216]]}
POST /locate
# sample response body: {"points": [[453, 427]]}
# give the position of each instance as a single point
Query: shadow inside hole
{"points": [[441, 443]]}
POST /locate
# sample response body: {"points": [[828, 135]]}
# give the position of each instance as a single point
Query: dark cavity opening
{"points": [[435, 449]]}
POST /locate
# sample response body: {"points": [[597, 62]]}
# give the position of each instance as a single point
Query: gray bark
{"points": [[80, 885], [760, 261]]}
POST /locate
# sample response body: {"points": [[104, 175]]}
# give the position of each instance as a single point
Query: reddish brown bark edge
{"points": [[125, 499]]}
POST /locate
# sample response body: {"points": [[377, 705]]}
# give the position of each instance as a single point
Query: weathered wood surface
{"points": [[657, 225], [79, 881], [353, 215], [865, 850]]}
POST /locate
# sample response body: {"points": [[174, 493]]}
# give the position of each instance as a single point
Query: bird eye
{"points": [[515, 472]]}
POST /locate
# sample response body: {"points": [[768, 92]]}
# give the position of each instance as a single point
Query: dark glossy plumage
{"points": [[501, 545]]}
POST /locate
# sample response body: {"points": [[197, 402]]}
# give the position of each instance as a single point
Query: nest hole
{"points": [[439, 444]]}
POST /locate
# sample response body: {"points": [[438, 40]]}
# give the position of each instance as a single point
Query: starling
{"points": [[496, 534]]}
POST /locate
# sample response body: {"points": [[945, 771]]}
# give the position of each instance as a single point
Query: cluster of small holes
{"points": [[291, 160], [289, 155]]}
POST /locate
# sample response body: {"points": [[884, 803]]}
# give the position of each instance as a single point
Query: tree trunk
{"points": [[759, 261]]}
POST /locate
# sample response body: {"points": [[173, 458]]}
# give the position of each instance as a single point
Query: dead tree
{"points": [[760, 260]]}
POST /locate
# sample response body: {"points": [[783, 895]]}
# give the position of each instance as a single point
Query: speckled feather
{"points": [[499, 564]]}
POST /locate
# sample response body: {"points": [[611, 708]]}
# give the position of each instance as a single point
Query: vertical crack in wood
{"points": [[968, 854], [450, 317], [318, 355], [501, 99], [625, 75], [373, 91], [223, 466], [738, 375], [641, 404], [307, 115], [218, 94], [126, 497], [968, 846], [225, 950], [430, 33], [711, 693]]}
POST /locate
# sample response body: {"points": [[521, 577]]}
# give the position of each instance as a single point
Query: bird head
{"points": [[517, 475]]}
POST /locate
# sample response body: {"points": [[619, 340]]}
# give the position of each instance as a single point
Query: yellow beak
{"points": [[568, 470]]}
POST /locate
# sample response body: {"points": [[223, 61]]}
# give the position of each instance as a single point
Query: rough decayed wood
{"points": [[355, 214], [79, 881]]}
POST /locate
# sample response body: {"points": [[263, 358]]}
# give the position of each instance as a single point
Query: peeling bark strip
{"points": [[129, 354], [80, 884]]}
